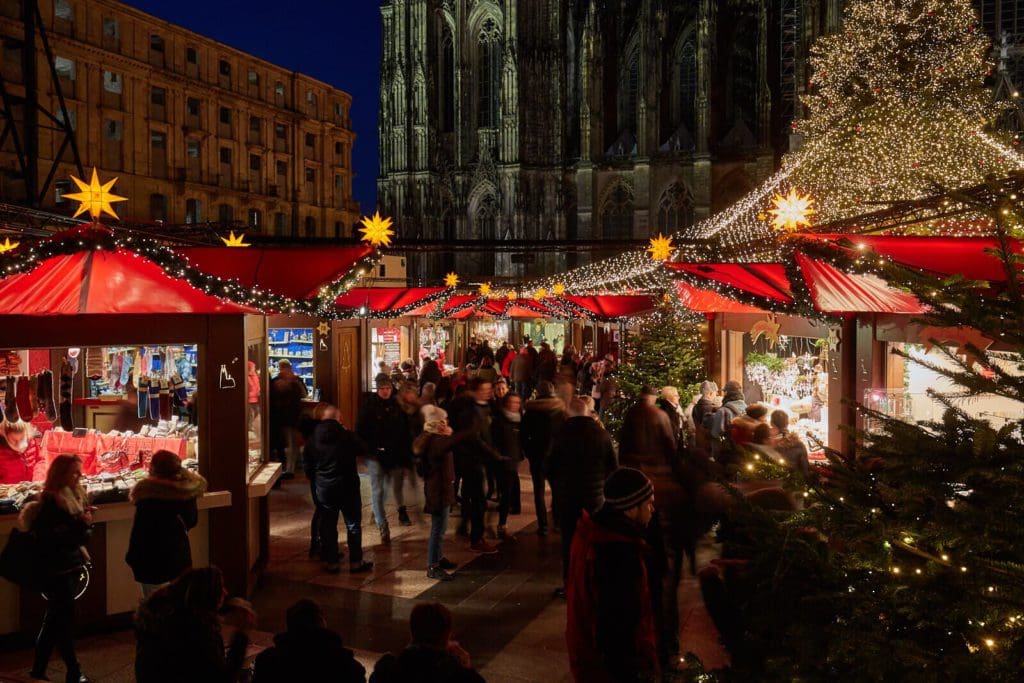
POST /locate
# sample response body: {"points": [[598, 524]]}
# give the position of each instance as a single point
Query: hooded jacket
{"points": [[165, 511], [59, 532], [581, 459], [439, 482], [384, 426], [541, 421], [610, 617], [318, 656], [336, 477], [732, 407], [419, 664]]}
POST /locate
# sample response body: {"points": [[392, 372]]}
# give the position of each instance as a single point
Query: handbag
{"points": [[20, 561]]}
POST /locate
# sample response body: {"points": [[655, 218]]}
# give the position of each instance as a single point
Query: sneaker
{"points": [[385, 536], [483, 548], [445, 563], [333, 567], [361, 568], [436, 572], [403, 517]]}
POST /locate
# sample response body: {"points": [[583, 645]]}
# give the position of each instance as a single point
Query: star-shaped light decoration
{"points": [[95, 198], [234, 240], [792, 211], [323, 328], [661, 248], [540, 293], [558, 289], [377, 230], [451, 280], [512, 295], [485, 289], [8, 245]]}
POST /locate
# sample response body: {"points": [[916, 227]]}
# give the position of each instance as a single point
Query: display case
{"points": [[294, 344]]}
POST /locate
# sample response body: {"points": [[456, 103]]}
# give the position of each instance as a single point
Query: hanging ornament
{"points": [[512, 295], [451, 280], [661, 248], [233, 240], [323, 328], [485, 289], [540, 294], [792, 211], [95, 198], [377, 230], [769, 328], [559, 289], [833, 340], [8, 245]]}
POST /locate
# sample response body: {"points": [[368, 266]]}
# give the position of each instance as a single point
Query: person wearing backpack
{"points": [[436, 464], [719, 422]]}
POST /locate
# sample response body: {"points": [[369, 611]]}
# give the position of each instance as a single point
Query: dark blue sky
{"points": [[336, 41]]}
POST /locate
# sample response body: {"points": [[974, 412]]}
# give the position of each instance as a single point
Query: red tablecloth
{"points": [[93, 445]]}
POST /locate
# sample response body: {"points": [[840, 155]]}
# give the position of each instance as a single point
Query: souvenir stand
{"points": [[94, 292]]}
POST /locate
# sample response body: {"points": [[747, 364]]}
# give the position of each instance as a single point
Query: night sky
{"points": [[335, 41]]}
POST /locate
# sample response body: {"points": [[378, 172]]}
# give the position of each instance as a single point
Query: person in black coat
{"points": [[541, 420], [384, 426], [432, 656], [308, 651], [337, 490], [430, 372], [165, 511], [582, 456], [307, 425], [178, 632], [62, 523], [507, 440]]}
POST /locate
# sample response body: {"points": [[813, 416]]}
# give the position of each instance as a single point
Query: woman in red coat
{"points": [[14, 446]]}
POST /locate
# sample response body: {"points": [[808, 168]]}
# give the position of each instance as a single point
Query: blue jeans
{"points": [[438, 525], [329, 533], [377, 481]]}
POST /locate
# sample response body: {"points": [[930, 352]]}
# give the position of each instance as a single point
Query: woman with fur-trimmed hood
{"points": [[165, 511]]}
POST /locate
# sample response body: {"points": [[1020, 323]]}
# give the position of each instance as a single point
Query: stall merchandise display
{"points": [[798, 385], [294, 344]]}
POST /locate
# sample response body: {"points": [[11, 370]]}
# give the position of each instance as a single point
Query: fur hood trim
{"points": [[189, 485], [547, 405]]}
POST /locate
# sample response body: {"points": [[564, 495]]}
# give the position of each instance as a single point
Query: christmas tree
{"points": [[908, 563], [665, 349]]}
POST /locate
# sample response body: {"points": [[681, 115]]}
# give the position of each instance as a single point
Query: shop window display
{"points": [[545, 331], [793, 376], [494, 332], [434, 341], [388, 345], [254, 416], [112, 406], [294, 344]]}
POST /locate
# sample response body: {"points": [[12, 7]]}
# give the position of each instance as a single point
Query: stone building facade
{"points": [[580, 119], [194, 130]]}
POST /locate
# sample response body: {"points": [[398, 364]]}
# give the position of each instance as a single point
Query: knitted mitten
{"points": [[143, 397], [154, 399], [165, 399], [44, 391], [67, 373], [23, 398], [10, 399]]}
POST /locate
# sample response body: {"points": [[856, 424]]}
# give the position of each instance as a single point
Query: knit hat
{"points": [[626, 488]]}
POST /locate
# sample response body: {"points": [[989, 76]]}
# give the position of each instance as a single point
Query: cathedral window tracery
{"points": [[675, 210], [686, 66], [488, 74], [617, 212]]}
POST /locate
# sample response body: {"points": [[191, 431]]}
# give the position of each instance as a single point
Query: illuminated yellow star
{"points": [[377, 230], [792, 211], [558, 289], [323, 328], [95, 198], [540, 293], [485, 289], [8, 245], [512, 296], [233, 240], [661, 248], [451, 280]]}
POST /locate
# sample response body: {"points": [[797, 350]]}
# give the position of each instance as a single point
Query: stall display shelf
{"points": [[296, 345]]}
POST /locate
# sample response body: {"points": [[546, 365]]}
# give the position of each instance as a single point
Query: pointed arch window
{"points": [[675, 210], [447, 82], [617, 213], [488, 74], [486, 229], [687, 66], [632, 91]]}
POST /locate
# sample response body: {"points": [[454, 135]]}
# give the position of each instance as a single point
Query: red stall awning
{"points": [[293, 272], [706, 301], [390, 299], [765, 280], [834, 291], [94, 282]]}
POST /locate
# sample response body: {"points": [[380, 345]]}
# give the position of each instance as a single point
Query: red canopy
{"points": [[293, 272], [767, 280], [834, 291], [707, 301], [104, 282], [389, 299]]}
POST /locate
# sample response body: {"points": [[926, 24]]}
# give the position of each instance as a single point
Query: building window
{"points": [[279, 131], [310, 226], [64, 67], [225, 155], [225, 214], [111, 29], [156, 43], [62, 9], [225, 115], [280, 223], [255, 162], [310, 175], [617, 213], [488, 74], [630, 100], [193, 211], [339, 189], [310, 140], [675, 210], [279, 89], [158, 97], [311, 103], [224, 68], [255, 219], [71, 120], [254, 124], [192, 106], [687, 83], [191, 55], [447, 90], [337, 148], [254, 78], [158, 141], [113, 130], [192, 149], [281, 167], [112, 82], [158, 207]]}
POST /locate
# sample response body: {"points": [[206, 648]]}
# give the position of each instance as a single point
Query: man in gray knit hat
{"points": [[610, 629]]}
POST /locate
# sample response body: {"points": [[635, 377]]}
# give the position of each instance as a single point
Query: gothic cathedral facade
{"points": [[598, 121]]}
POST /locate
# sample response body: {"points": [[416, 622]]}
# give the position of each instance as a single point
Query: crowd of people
{"points": [[629, 510]]}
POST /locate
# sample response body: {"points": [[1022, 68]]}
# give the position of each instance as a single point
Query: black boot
{"points": [[403, 517]]}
